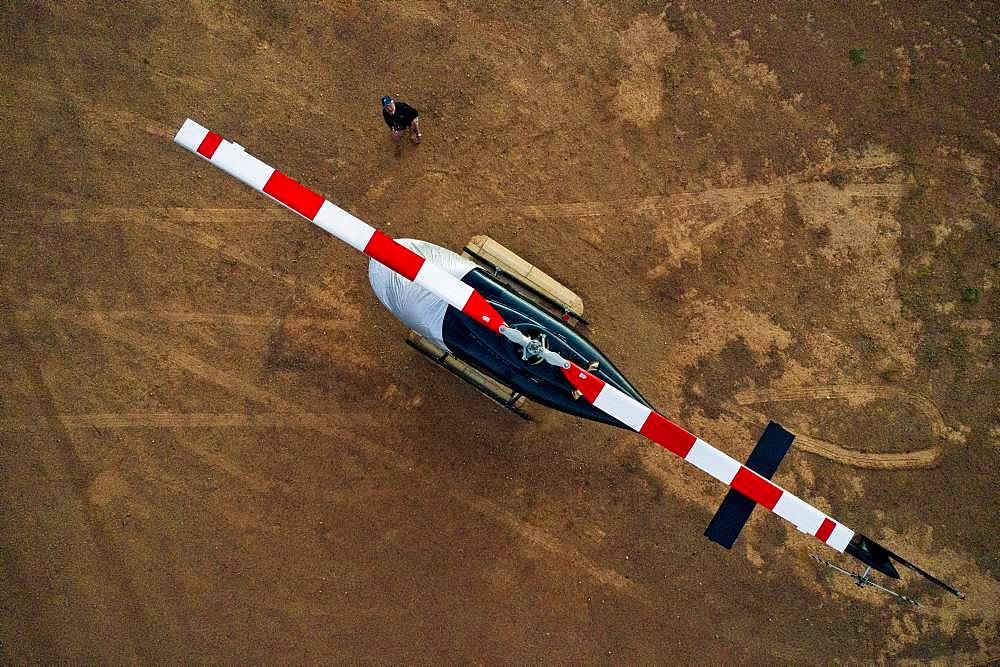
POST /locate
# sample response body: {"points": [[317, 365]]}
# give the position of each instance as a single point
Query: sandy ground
{"points": [[215, 446]]}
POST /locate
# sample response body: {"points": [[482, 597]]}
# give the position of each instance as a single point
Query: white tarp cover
{"points": [[413, 305]]}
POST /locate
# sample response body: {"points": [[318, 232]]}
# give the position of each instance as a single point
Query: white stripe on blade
{"points": [[191, 135], [444, 285], [622, 407], [237, 162], [804, 516], [840, 536], [344, 226], [717, 464]]}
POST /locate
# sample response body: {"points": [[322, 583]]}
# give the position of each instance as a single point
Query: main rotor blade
{"points": [[704, 456], [232, 159]]}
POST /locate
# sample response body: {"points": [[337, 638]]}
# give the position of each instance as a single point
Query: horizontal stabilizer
{"points": [[736, 508]]}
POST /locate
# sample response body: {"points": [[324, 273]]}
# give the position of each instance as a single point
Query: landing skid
{"points": [[486, 385], [863, 580], [528, 280]]}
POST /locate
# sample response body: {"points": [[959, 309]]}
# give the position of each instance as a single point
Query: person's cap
{"points": [[386, 101]]}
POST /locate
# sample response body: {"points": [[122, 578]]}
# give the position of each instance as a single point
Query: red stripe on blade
{"points": [[667, 434], [400, 259], [209, 144], [293, 194], [480, 310], [825, 529], [756, 488], [589, 385]]}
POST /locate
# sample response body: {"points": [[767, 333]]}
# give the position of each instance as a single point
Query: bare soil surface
{"points": [[217, 448]]}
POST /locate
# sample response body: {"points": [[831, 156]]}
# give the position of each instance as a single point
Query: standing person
{"points": [[398, 116]]}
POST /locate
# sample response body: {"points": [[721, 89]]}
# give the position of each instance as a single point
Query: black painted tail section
{"points": [[871, 553], [735, 510]]}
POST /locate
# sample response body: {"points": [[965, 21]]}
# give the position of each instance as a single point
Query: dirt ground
{"points": [[217, 448]]}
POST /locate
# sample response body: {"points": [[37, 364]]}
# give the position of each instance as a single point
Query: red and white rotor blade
{"points": [[232, 159], [704, 456]]}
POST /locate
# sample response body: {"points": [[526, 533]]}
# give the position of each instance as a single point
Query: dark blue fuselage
{"points": [[501, 359]]}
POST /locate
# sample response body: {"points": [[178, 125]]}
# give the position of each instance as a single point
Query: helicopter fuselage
{"points": [[505, 361]]}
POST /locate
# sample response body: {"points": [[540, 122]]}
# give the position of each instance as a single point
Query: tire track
{"points": [[120, 215], [123, 420], [175, 317], [213, 242], [60, 456], [924, 458], [150, 420], [740, 197], [162, 220], [384, 454]]}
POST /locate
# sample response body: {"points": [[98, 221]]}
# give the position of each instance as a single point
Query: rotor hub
{"points": [[533, 350]]}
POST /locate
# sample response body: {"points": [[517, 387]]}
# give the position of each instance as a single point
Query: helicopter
{"points": [[498, 336]]}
